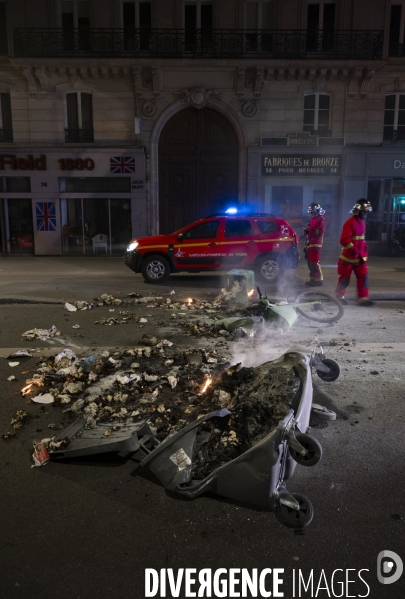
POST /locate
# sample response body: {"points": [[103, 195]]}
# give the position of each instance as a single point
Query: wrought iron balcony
{"points": [[6, 136], [79, 136], [180, 43]]}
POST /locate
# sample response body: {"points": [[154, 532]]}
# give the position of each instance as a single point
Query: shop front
{"points": [[379, 175], [285, 183], [72, 203]]}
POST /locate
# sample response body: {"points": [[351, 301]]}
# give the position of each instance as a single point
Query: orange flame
{"points": [[251, 292], [26, 390], [206, 385], [190, 301]]}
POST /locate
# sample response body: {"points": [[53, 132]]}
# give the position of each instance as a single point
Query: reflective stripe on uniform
{"points": [[357, 261], [357, 237], [347, 247], [314, 245]]}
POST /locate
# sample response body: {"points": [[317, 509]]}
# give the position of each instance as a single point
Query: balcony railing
{"points": [[217, 43], [6, 136], [79, 136]]}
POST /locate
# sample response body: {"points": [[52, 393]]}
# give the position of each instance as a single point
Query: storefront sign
{"points": [[399, 164], [79, 164], [23, 164], [300, 165], [137, 184]]}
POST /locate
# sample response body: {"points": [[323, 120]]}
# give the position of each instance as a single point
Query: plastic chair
{"points": [[25, 241], [100, 241]]}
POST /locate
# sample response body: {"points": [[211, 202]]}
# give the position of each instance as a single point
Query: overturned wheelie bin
{"points": [[258, 475]]}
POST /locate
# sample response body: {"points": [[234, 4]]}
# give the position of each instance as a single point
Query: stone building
{"points": [[122, 118]]}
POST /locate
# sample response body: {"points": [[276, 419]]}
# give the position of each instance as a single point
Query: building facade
{"points": [[122, 118]]}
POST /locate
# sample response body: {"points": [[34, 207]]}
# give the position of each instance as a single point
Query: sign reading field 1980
{"points": [[300, 164]]}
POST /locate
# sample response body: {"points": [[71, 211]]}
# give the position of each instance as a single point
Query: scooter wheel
{"points": [[312, 447], [295, 518], [334, 371]]}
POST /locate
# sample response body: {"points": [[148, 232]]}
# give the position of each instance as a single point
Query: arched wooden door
{"points": [[198, 167]]}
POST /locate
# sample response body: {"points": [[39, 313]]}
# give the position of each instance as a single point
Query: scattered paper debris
{"points": [[41, 334], [70, 307], [43, 398], [21, 353]]}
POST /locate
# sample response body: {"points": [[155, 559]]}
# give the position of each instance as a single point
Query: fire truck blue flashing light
{"points": [[232, 211]]}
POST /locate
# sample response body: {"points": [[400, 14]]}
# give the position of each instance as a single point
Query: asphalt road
{"points": [[90, 527]]}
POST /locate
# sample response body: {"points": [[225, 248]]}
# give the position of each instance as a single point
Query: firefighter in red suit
{"points": [[313, 248], [354, 254]]}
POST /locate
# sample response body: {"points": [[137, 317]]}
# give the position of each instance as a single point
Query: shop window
{"points": [[197, 25], [19, 224], [79, 118], [3, 30], [259, 23], [95, 184], [17, 184], [137, 24], [6, 126], [95, 226], [320, 26], [317, 114], [76, 25], [394, 118], [396, 31]]}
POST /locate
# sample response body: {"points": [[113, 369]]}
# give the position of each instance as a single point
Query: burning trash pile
{"points": [[258, 398], [168, 389]]}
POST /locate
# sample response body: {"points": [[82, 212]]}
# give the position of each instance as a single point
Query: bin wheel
{"points": [[313, 448], [295, 518], [334, 371]]}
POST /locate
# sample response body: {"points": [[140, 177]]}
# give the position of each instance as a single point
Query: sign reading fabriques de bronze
{"points": [[301, 165]]}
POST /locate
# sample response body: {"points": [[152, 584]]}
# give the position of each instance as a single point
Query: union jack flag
{"points": [[45, 213], [122, 164]]}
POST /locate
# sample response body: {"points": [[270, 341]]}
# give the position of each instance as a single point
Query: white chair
{"points": [[100, 241]]}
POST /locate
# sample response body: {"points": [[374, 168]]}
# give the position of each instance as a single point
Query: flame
{"points": [[190, 301], [26, 390], [250, 293], [206, 385]]}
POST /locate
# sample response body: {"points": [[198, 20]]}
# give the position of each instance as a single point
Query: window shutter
{"points": [[87, 111], [6, 112], [72, 111]]}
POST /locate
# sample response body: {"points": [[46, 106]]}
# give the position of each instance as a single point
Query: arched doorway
{"points": [[198, 167]]}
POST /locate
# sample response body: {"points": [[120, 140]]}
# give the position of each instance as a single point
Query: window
{"points": [[266, 226], [17, 184], [95, 184], [137, 23], [3, 29], [203, 231], [320, 26], [394, 117], [76, 25], [197, 18], [6, 126], [317, 114], [238, 228], [259, 19], [79, 118], [396, 33]]}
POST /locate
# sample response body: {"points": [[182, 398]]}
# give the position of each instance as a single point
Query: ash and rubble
{"points": [[161, 384]]}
